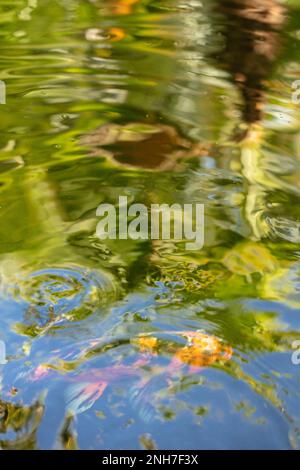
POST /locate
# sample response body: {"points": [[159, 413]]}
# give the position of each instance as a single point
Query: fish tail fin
{"points": [[80, 397], [142, 398]]}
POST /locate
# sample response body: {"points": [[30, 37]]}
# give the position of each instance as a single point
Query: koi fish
{"points": [[88, 386], [200, 350]]}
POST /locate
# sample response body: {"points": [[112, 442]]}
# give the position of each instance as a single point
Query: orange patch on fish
{"points": [[116, 34], [202, 349], [147, 344], [124, 7]]}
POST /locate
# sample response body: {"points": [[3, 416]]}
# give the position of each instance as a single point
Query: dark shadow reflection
{"points": [[253, 43]]}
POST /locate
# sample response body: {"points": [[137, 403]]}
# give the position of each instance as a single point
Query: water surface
{"points": [[163, 101]]}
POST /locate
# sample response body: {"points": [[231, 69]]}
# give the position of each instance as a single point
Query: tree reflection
{"points": [[23, 421], [253, 43]]}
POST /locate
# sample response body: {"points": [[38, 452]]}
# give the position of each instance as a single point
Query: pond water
{"points": [[142, 344]]}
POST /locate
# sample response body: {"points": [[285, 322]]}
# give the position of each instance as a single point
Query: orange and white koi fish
{"points": [[200, 350]]}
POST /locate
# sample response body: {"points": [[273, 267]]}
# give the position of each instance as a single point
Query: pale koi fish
{"points": [[200, 350]]}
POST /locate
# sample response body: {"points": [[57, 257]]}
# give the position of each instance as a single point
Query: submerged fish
{"points": [[199, 350]]}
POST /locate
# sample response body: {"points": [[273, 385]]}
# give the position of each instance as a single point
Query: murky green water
{"points": [[163, 101]]}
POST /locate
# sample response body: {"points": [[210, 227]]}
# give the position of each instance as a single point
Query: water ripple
{"points": [[58, 295]]}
